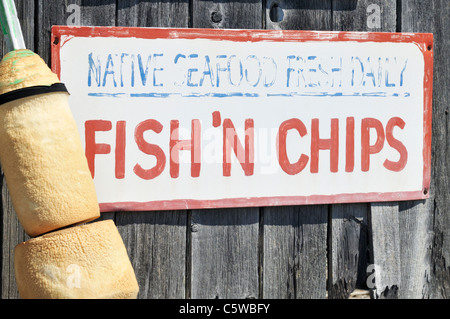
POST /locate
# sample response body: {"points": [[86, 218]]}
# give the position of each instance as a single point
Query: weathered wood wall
{"points": [[397, 250]]}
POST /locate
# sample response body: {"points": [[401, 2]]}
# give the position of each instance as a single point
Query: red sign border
{"points": [[424, 42]]}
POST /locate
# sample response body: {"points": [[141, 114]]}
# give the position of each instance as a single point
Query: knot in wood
{"points": [[194, 228], [216, 17]]}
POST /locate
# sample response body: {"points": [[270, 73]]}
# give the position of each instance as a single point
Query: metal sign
{"points": [[199, 118]]}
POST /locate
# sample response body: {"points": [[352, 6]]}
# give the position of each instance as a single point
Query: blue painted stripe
{"points": [[240, 94]]}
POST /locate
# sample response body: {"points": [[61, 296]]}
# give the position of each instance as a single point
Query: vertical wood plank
{"points": [[225, 253], [348, 249], [426, 239], [156, 246], [295, 238], [386, 250], [349, 223], [11, 229], [12, 235], [416, 240], [155, 241], [224, 262], [295, 252]]}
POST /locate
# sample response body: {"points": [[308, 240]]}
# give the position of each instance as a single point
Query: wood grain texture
{"points": [[294, 260], [12, 235], [153, 13], [224, 262], [298, 15], [155, 241], [225, 253], [295, 252], [27, 21], [386, 250], [362, 15], [426, 265], [416, 237], [60, 12], [350, 256], [227, 14], [348, 249]]}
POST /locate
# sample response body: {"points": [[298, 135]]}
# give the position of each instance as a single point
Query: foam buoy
{"points": [[41, 153], [88, 261]]}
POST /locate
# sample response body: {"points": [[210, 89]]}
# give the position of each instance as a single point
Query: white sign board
{"points": [[196, 118]]}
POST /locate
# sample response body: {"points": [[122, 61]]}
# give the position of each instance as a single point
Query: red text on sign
{"points": [[375, 136]]}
